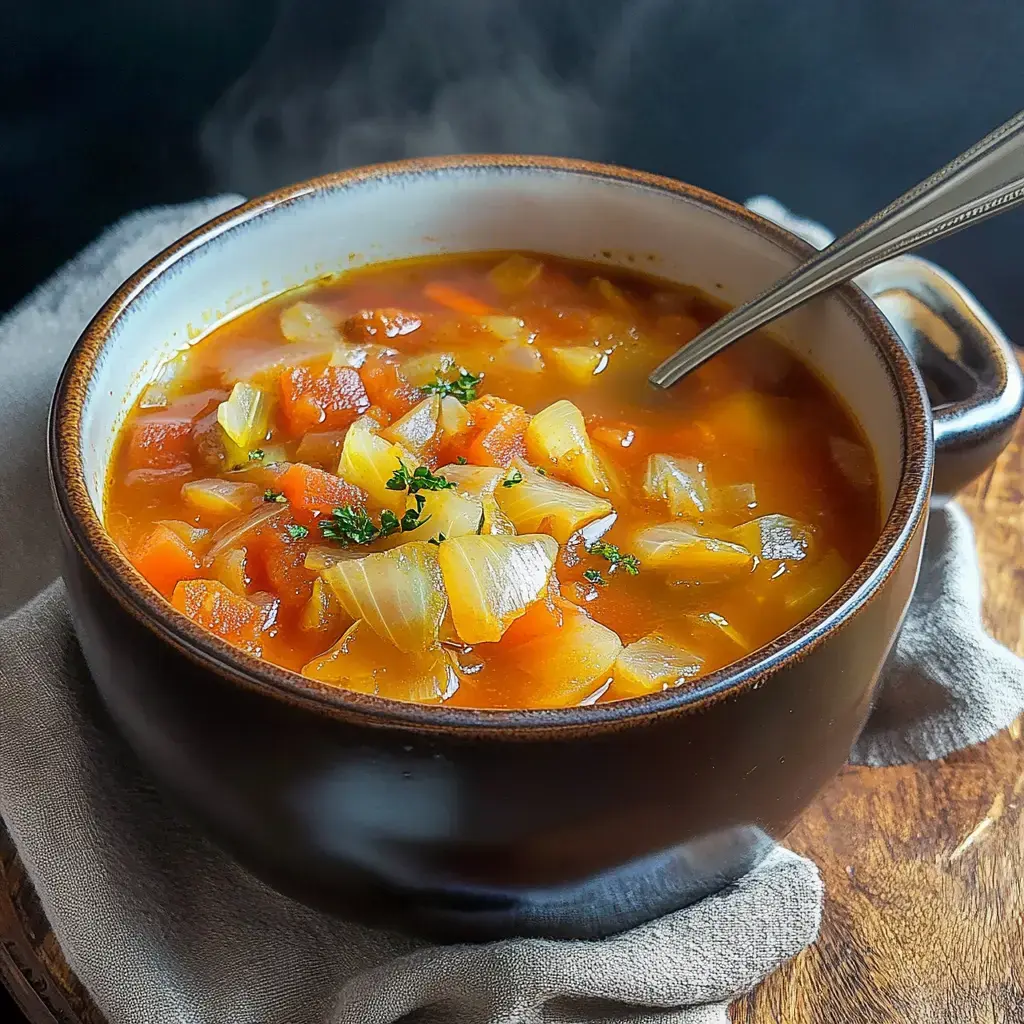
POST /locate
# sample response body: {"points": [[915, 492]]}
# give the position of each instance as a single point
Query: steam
{"points": [[428, 77]]}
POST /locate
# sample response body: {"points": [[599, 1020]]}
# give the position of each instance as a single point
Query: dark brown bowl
{"points": [[461, 823]]}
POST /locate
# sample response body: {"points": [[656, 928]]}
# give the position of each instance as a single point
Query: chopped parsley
{"points": [[463, 387], [256, 455], [420, 479], [269, 495], [411, 519], [595, 577], [297, 531], [438, 540], [350, 525], [462, 460], [628, 562], [515, 477], [542, 471]]}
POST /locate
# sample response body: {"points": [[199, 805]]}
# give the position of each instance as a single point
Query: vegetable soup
{"points": [[447, 480]]}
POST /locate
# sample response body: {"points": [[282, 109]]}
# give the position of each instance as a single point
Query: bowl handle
{"points": [[970, 370]]}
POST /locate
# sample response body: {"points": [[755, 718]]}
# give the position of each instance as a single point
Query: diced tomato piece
{"points": [[321, 448], [277, 564], [454, 298], [162, 439], [387, 388], [498, 432], [214, 607], [164, 559], [328, 400], [377, 324], [313, 493]]}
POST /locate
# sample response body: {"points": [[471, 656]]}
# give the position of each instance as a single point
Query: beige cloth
{"points": [[164, 928]]}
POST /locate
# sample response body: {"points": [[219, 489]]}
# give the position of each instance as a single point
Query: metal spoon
{"points": [[985, 180]]}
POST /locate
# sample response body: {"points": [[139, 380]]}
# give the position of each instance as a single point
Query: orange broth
{"points": [[228, 508]]}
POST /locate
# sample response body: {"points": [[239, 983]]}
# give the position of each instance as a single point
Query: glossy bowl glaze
{"points": [[454, 822]]}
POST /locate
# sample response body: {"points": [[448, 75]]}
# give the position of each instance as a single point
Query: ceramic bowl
{"points": [[471, 824]]}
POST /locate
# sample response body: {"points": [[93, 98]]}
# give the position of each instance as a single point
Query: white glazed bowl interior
{"points": [[413, 212]]}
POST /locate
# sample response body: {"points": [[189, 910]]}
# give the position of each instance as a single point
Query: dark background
{"points": [[833, 106]]}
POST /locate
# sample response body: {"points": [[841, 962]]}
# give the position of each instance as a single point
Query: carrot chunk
{"points": [[164, 559], [312, 492], [214, 607], [387, 388], [452, 298], [328, 400], [497, 435]]}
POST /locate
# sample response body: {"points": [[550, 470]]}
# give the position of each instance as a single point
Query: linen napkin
{"points": [[162, 927]]}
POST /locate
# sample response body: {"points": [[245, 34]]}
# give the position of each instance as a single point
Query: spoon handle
{"points": [[985, 180]]}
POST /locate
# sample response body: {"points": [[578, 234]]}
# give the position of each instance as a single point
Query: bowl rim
{"points": [[119, 578]]}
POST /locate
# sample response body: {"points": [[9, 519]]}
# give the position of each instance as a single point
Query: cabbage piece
{"points": [[495, 522], [424, 369], [369, 461], [515, 274], [308, 322], [492, 580], [245, 418], [653, 663], [347, 354], [688, 554], [538, 499], [681, 483], [817, 583], [363, 662], [557, 439], [775, 538], [580, 364], [321, 613], [455, 418], [232, 532], [219, 497], [450, 513], [418, 427], [398, 593], [566, 665], [476, 481]]}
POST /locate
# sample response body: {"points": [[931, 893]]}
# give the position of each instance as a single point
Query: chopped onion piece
{"points": [[495, 523], [691, 556], [455, 418], [563, 666], [245, 417], [363, 662], [515, 274], [192, 536], [653, 663], [580, 364], [818, 583], [229, 568], [347, 354], [308, 322], [854, 462], [679, 482], [398, 593], [557, 439], [423, 369], [538, 498], [418, 427], [369, 461], [219, 497], [492, 580], [775, 538], [320, 556], [232, 532]]}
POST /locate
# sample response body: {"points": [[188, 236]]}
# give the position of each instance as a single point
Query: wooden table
{"points": [[923, 866]]}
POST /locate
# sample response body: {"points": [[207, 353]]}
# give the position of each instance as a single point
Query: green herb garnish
{"points": [[595, 577], [628, 562], [515, 477], [389, 523], [438, 540], [542, 471], [256, 455], [411, 519], [349, 525], [296, 531], [462, 460], [269, 495], [420, 479], [463, 388]]}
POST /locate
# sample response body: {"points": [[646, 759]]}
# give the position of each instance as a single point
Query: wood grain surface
{"points": [[923, 865]]}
